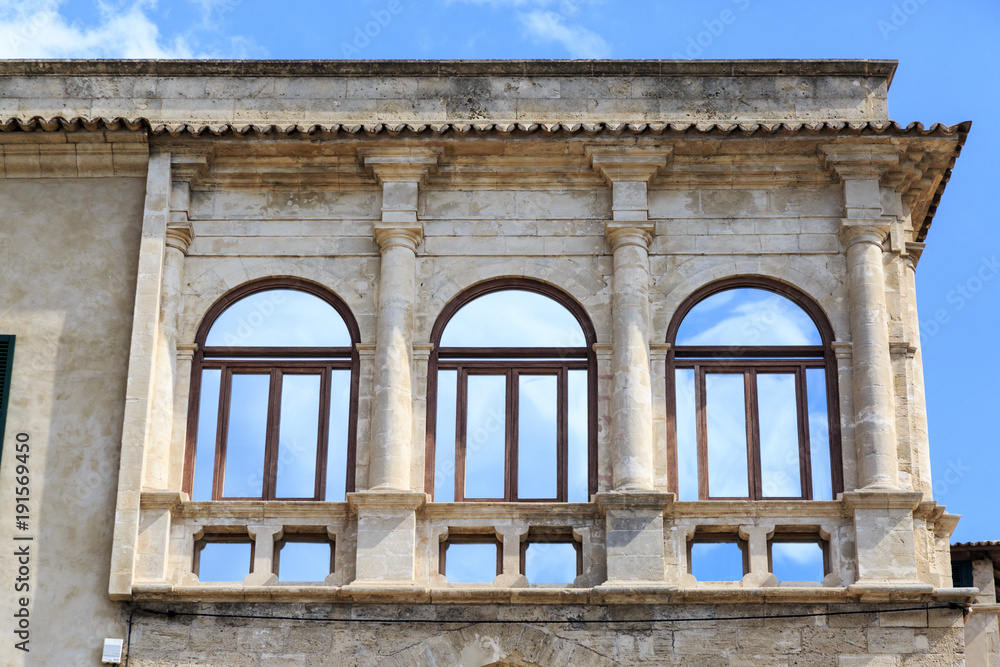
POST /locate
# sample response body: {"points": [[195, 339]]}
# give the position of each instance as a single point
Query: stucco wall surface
{"points": [[68, 252]]}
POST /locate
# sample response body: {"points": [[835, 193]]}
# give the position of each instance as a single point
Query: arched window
{"points": [[273, 396], [512, 392], [752, 395]]}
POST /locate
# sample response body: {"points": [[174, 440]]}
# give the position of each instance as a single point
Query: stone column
{"points": [[633, 509], [865, 230], [883, 513], [629, 234], [398, 233], [386, 512], [179, 236]]}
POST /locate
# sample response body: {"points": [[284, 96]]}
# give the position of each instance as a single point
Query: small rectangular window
{"points": [[223, 558], [303, 558], [6, 365], [471, 559], [798, 558], [717, 558], [961, 574], [551, 559]]}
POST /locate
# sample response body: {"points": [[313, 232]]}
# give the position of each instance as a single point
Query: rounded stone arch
{"points": [[811, 306], [589, 287], [219, 279], [505, 283], [804, 301], [499, 284], [823, 295], [277, 283], [215, 309]]}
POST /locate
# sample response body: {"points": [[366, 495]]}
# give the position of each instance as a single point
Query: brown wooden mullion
{"points": [[276, 352], [673, 475], [272, 433], [562, 436], [702, 431], [461, 424], [805, 456], [755, 486], [511, 431], [222, 434], [323, 433]]}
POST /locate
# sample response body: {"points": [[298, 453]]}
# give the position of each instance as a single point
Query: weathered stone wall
{"points": [[879, 638], [68, 251]]}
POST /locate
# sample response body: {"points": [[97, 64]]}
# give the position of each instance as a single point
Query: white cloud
{"points": [[547, 21], [549, 26], [32, 29], [37, 30]]}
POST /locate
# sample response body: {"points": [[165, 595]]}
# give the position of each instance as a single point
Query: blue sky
{"points": [[948, 53]]}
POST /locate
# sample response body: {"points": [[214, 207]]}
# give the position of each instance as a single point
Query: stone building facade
{"points": [[143, 200]]}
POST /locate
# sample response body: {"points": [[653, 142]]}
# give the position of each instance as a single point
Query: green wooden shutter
{"points": [[6, 362]]}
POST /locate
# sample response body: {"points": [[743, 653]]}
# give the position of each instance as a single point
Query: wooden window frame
{"points": [[513, 362], [302, 538], [469, 538], [275, 362], [221, 538], [751, 361], [562, 537]]}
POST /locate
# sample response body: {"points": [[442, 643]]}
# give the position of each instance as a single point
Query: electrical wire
{"points": [[690, 619], [570, 621]]}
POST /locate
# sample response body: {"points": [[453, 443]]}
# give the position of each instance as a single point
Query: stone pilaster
{"points": [[918, 403], [634, 534], [141, 373], [179, 236]]}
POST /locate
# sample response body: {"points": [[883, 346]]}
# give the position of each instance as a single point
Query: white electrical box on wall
{"points": [[112, 652]]}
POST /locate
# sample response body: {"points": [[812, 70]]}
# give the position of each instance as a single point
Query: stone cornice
{"points": [[451, 68], [860, 161]]}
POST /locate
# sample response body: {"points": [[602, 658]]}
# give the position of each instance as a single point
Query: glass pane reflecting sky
{"points": [[298, 436], [485, 443], [725, 410], [208, 421], [777, 413], [246, 436], [536, 437], [513, 318], [747, 316], [279, 318]]}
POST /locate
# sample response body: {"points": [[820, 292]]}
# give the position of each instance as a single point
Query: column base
{"points": [[634, 534], [387, 535]]}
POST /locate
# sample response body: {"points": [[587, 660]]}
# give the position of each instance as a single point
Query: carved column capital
{"points": [[913, 252], [873, 231], [620, 234], [180, 235]]}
